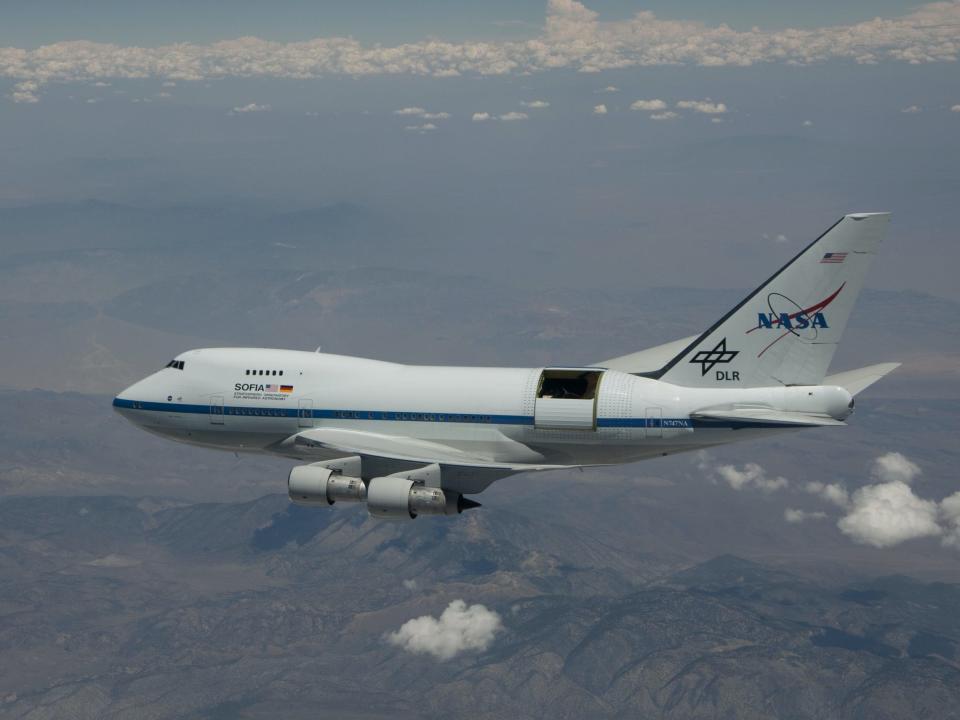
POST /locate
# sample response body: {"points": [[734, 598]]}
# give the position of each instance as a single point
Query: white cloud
{"points": [[950, 512], [458, 629], [421, 112], [894, 467], [808, 123], [703, 106], [514, 116], [668, 115], [609, 89], [912, 109], [573, 37], [887, 514], [752, 475], [716, 120], [481, 117], [426, 127], [25, 92], [648, 105], [600, 109], [536, 104], [955, 108], [833, 492], [796, 517], [410, 584], [251, 108]]}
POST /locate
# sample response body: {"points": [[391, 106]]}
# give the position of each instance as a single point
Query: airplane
{"points": [[411, 440]]}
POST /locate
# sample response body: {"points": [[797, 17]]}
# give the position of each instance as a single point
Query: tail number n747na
{"points": [[416, 440]]}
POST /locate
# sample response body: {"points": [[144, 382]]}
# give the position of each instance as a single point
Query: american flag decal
{"points": [[833, 257], [270, 388]]}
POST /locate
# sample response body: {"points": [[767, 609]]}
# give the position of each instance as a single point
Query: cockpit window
{"points": [[176, 364]]}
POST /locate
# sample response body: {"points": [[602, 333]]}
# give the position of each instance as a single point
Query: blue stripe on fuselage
{"points": [[404, 416]]}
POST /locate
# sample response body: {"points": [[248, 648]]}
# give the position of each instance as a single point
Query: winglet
{"points": [[856, 381]]}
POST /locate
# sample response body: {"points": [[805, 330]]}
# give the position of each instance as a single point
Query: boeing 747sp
{"points": [[417, 440]]}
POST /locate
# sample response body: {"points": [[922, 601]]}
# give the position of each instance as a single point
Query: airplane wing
{"points": [[647, 360], [388, 454]]}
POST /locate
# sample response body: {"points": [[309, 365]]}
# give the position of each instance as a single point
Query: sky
{"points": [[30, 23], [555, 144]]}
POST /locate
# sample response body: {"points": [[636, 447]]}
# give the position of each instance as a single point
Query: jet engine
{"points": [[320, 485], [400, 498]]}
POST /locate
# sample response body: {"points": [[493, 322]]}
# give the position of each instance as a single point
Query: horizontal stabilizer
{"points": [[762, 416], [856, 381]]}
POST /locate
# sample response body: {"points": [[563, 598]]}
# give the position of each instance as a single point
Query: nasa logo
{"points": [[787, 321]]}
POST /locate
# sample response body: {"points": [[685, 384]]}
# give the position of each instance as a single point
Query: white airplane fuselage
{"points": [[256, 400]]}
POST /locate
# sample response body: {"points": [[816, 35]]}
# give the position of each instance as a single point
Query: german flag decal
{"points": [[286, 388]]}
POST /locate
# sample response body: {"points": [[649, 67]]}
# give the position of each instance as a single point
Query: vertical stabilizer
{"points": [[786, 331]]}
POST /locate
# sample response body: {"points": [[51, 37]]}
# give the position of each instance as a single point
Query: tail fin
{"points": [[786, 331]]}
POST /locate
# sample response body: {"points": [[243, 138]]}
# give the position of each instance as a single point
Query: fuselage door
{"points": [[567, 399], [305, 413], [654, 422], [216, 409]]}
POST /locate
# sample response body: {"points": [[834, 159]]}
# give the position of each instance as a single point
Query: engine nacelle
{"points": [[399, 498], [320, 485]]}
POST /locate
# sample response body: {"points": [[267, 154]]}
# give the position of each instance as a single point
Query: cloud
{"points": [[481, 117], [894, 467], [703, 106], [912, 109], [668, 115], [795, 517], [536, 104], [887, 514], [648, 105], [25, 92], [251, 108], [410, 584], [808, 123], [510, 116], [955, 108], [426, 127], [420, 112], [752, 475], [573, 37], [460, 628], [716, 120], [834, 493], [950, 513], [600, 109], [613, 89]]}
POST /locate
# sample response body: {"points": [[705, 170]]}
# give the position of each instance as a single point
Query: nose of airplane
{"points": [[135, 398]]}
